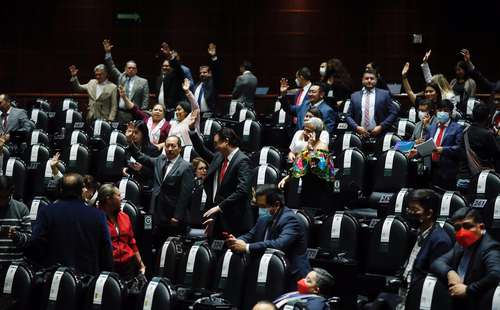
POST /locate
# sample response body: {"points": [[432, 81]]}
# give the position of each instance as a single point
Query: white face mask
{"points": [[297, 82], [322, 71], [422, 114]]}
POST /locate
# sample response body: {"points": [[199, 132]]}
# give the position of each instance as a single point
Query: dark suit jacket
{"points": [[210, 93], [17, 120], [244, 88], [171, 195], [386, 112], [483, 272], [433, 246], [328, 114], [73, 234], [233, 194], [451, 142], [287, 234], [172, 85]]}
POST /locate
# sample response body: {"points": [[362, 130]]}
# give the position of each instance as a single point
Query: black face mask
{"points": [[413, 221]]}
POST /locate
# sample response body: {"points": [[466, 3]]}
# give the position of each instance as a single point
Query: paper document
{"points": [[426, 148]]}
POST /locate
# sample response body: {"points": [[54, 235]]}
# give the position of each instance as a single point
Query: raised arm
{"points": [[142, 158], [215, 64], [113, 71], [131, 106], [194, 104], [406, 84], [198, 145], [74, 79], [426, 70]]}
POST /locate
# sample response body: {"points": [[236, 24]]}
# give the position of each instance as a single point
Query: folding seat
{"points": [[118, 138], [35, 157], [69, 119], [449, 203], [16, 169], [42, 104], [188, 153], [250, 134], [4, 157], [306, 221], [40, 118], [485, 187], [76, 158], [264, 174], [243, 115], [233, 107], [210, 128], [267, 278], [341, 122], [387, 251], [38, 136], [169, 260], [111, 161], [130, 190], [429, 293], [491, 216], [350, 178], [158, 295], [404, 128], [412, 115], [106, 291], [230, 275], [346, 140], [69, 103], [389, 176], [276, 133], [466, 106], [100, 132], [132, 211], [397, 205], [268, 155], [64, 290], [384, 143], [448, 228], [37, 203], [18, 282], [77, 136]]}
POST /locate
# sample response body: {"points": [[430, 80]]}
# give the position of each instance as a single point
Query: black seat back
{"points": [[339, 234], [429, 293], [230, 276], [264, 174], [69, 103], [485, 185], [249, 132], [243, 115], [67, 119], [198, 266], [18, 285], [132, 211], [397, 205], [389, 247], [267, 155], [346, 140], [266, 278], [106, 292], [77, 136], [100, 131], [37, 203], [157, 295], [386, 142], [111, 161], [63, 290], [130, 190], [233, 107], [16, 169], [118, 138], [40, 118], [188, 153], [450, 202], [351, 174], [391, 172], [38, 136], [210, 128], [76, 158], [404, 128], [169, 259]]}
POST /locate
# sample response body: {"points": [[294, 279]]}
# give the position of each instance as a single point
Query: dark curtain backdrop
{"points": [[39, 40]]}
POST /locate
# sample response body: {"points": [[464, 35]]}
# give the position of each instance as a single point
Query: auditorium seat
{"points": [[36, 158], [267, 155], [350, 178], [106, 292], [485, 187], [42, 104], [38, 136], [168, 259], [429, 293], [157, 295], [490, 299], [210, 128], [397, 205], [130, 190], [264, 174], [16, 169], [100, 132], [69, 119], [110, 163], [69, 103], [117, 137], [188, 153], [243, 115], [404, 128], [76, 158], [449, 203], [385, 142], [18, 283], [339, 237], [133, 213], [230, 275], [232, 107], [267, 278], [276, 133], [63, 290], [37, 203], [40, 118], [77, 136], [346, 140], [250, 134]]}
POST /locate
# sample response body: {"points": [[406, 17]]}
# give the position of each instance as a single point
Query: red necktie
{"points": [[223, 170], [435, 155], [297, 102]]}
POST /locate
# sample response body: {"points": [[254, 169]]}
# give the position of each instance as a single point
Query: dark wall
{"points": [[39, 41]]}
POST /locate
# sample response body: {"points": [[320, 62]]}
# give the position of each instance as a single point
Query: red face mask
{"points": [[302, 287], [466, 238]]}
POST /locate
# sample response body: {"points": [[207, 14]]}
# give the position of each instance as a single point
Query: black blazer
{"points": [[171, 195], [210, 93], [233, 194], [172, 85], [483, 272]]}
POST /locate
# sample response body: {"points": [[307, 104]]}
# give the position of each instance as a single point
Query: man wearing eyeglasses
{"points": [[472, 267]]}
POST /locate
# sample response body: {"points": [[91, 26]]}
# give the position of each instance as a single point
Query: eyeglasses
{"points": [[466, 226]]}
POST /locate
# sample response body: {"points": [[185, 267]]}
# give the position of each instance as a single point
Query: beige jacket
{"points": [[105, 106]]}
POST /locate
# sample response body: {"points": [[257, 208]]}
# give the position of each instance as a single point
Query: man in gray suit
{"points": [[102, 94], [173, 184], [12, 119], [245, 85], [136, 87]]}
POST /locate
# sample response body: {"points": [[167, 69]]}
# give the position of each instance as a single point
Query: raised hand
{"points": [[107, 45], [165, 49], [465, 52], [54, 160], [212, 49], [121, 91], [73, 70], [406, 68], [185, 85], [192, 119], [129, 133], [426, 56], [283, 86]]}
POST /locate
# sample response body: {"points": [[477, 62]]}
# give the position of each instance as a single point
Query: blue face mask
{"points": [[443, 117], [264, 213]]}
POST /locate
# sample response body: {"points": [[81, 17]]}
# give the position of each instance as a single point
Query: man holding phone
{"points": [[15, 225]]}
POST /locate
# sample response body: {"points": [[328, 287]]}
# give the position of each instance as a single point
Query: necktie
{"points": [[223, 170], [4, 122], [366, 112], [165, 168], [435, 155]]}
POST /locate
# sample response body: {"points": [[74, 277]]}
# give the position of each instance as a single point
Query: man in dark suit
{"points": [[12, 119], [371, 111], [315, 99], [300, 98], [136, 88], [169, 84], [206, 91], [228, 183], [472, 266], [245, 85], [173, 184], [447, 136], [279, 228], [70, 233]]}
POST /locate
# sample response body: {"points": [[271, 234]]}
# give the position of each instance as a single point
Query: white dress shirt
{"points": [[100, 88], [203, 103], [170, 165], [371, 103]]}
